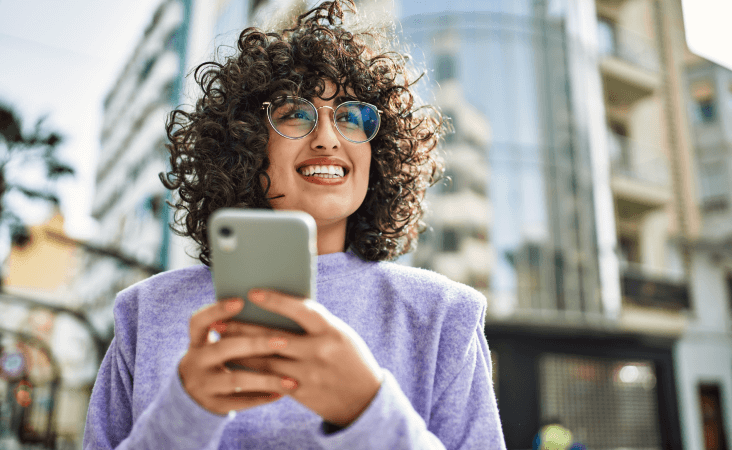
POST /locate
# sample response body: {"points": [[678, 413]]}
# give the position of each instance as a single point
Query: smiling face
{"points": [[322, 174]]}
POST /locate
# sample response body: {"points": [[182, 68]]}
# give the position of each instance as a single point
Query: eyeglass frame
{"points": [[317, 117]]}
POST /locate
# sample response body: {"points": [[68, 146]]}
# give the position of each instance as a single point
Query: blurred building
{"points": [[44, 347], [129, 201], [705, 352], [133, 239], [587, 197]]}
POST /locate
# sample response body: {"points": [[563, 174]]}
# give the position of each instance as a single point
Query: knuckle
{"points": [[261, 346], [326, 351], [314, 378]]}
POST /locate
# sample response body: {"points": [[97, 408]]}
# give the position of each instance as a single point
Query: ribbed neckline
{"points": [[335, 265]]}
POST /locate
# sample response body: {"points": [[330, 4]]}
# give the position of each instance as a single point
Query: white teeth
{"points": [[333, 171]]}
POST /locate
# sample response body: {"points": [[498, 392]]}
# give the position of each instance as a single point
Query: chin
{"points": [[326, 217]]}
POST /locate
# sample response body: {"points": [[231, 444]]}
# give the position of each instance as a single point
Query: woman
{"points": [[312, 119]]}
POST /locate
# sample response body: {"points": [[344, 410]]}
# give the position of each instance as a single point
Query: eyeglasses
{"points": [[294, 118]]}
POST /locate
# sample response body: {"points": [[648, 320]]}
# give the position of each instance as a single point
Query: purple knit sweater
{"points": [[425, 331]]}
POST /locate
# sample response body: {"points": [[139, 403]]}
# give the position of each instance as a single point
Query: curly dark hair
{"points": [[218, 152]]}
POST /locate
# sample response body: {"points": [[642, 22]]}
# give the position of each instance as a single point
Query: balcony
{"points": [[653, 301], [643, 288], [629, 64], [640, 176]]}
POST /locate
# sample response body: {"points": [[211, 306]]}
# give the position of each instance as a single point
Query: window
{"points": [[450, 118], [168, 92], [449, 240], [714, 185], [146, 68], [444, 67], [619, 146], [629, 248], [705, 110], [606, 36]]}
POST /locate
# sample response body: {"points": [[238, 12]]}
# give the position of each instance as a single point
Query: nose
{"points": [[325, 136]]}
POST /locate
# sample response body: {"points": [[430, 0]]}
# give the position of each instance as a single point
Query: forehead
{"points": [[313, 86], [330, 90]]}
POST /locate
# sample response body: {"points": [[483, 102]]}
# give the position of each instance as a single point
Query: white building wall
{"points": [[127, 185], [704, 354], [702, 359]]}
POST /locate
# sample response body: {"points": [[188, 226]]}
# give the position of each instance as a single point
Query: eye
{"points": [[349, 118], [296, 114]]}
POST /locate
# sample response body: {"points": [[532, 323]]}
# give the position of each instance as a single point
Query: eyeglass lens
{"points": [[295, 118]]}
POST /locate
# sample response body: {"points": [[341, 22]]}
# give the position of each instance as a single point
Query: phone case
{"points": [[261, 248]]}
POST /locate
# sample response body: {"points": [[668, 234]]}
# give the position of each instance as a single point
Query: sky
{"points": [[60, 58]]}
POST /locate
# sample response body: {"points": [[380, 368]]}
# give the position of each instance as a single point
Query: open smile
{"points": [[323, 171]]}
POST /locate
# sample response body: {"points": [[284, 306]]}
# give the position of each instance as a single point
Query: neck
{"points": [[331, 238]]}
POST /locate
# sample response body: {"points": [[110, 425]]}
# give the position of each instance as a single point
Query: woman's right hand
{"points": [[202, 371]]}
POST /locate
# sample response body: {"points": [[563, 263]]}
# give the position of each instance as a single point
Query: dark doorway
{"points": [[711, 409]]}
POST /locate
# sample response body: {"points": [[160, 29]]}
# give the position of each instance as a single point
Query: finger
{"points": [[236, 402], [244, 382], [307, 313], [252, 346], [202, 319], [275, 365], [235, 328]]}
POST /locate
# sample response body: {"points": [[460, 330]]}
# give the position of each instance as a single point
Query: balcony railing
{"points": [[629, 46], [627, 159], [643, 288]]}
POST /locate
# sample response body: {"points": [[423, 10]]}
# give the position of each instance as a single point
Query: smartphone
{"points": [[267, 249]]}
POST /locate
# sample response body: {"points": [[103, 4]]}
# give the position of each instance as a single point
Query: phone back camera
{"points": [[227, 239]]}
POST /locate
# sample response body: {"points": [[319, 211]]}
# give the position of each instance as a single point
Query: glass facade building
{"points": [[512, 61], [522, 81]]}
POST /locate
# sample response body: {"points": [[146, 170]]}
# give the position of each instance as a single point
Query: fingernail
{"points": [[289, 383], [256, 296], [219, 326], [278, 342], [234, 304]]}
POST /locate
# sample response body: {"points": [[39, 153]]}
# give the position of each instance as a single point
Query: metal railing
{"points": [[645, 286], [629, 46], [630, 159]]}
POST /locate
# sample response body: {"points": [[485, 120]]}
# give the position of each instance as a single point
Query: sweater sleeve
{"points": [[464, 416], [172, 420]]}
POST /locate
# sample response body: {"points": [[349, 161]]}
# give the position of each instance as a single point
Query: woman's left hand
{"points": [[336, 374]]}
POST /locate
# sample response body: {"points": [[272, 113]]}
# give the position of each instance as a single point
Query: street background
{"points": [[590, 198]]}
